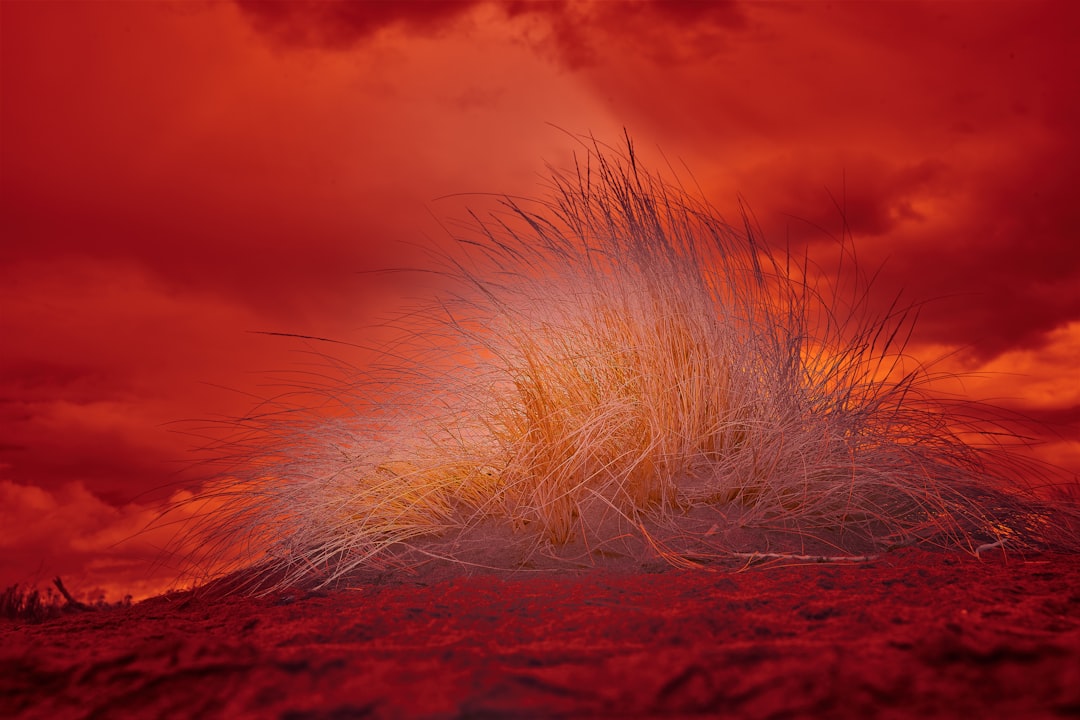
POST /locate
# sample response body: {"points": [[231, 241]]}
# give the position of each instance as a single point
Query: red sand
{"points": [[913, 634]]}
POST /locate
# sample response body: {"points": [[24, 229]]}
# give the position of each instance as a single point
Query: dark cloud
{"points": [[261, 257], [994, 258], [954, 164], [117, 469], [339, 24], [1062, 423], [1012, 268], [721, 12], [595, 33], [578, 33], [867, 196]]}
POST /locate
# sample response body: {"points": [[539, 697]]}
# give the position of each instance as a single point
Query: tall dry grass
{"points": [[615, 364]]}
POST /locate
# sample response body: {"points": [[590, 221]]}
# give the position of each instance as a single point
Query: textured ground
{"points": [[913, 634]]}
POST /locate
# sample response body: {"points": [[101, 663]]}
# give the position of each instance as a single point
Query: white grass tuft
{"points": [[618, 372]]}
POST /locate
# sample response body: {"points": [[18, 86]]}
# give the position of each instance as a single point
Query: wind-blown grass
{"points": [[617, 370]]}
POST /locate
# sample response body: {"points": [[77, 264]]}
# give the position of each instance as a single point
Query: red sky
{"points": [[176, 176]]}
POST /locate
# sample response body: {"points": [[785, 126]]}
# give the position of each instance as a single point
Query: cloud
{"points": [[340, 25], [100, 550], [1030, 380], [586, 34], [220, 169], [576, 34], [986, 246], [953, 166], [272, 177], [999, 255], [187, 186], [1035, 386], [874, 195], [100, 358]]}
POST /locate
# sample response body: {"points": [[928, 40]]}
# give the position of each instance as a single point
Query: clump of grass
{"points": [[27, 605], [618, 365]]}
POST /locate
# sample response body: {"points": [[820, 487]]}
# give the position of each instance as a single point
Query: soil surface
{"points": [[915, 633]]}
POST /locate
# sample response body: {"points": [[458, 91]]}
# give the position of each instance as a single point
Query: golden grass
{"points": [[618, 358]]}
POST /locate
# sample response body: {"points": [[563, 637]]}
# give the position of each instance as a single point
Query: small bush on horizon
{"points": [[27, 604]]}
